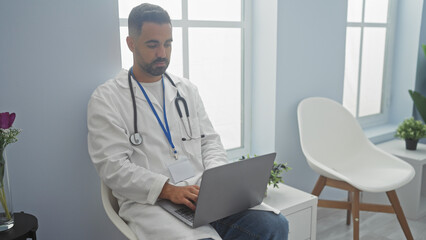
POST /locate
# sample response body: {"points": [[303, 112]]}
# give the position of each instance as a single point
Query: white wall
{"points": [[264, 75], [52, 56]]}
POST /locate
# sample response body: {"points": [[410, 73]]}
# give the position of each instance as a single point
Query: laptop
{"points": [[226, 190]]}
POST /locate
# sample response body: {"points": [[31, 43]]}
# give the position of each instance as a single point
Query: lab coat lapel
{"points": [[123, 81], [170, 91], [170, 94], [139, 95]]}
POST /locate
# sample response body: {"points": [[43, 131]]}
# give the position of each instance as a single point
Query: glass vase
{"points": [[6, 209]]}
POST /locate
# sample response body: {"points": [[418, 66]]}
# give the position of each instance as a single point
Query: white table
{"points": [[300, 209], [413, 195]]}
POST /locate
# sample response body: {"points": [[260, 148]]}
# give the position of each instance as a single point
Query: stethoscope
{"points": [[136, 138]]}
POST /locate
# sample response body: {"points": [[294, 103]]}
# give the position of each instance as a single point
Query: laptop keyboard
{"points": [[186, 213]]}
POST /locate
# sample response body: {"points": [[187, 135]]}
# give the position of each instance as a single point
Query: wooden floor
{"points": [[331, 225]]}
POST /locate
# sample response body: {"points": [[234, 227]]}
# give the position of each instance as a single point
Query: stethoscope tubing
{"points": [[135, 116], [135, 138]]}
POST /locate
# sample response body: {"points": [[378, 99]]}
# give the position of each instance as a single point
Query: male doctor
{"points": [[141, 169]]}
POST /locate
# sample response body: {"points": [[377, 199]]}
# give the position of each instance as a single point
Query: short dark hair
{"points": [[146, 13]]}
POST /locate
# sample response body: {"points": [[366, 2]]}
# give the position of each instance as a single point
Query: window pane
{"points": [[215, 67], [174, 7], [176, 61], [219, 10], [176, 65], [372, 71], [350, 89], [354, 10], [126, 54], [376, 11]]}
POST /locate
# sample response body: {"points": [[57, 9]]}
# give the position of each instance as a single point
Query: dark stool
{"points": [[25, 226]]}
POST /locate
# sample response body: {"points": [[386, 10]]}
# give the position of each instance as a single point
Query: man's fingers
{"points": [[187, 195], [195, 190], [189, 204], [193, 197]]}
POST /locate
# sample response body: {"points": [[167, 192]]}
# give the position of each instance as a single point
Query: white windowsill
{"points": [[382, 133]]}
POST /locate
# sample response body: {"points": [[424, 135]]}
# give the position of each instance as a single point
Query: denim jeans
{"points": [[252, 224]]}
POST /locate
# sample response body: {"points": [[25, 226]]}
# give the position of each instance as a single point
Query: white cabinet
{"points": [[300, 209]]}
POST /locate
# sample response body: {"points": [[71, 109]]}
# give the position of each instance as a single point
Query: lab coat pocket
{"points": [[191, 136]]}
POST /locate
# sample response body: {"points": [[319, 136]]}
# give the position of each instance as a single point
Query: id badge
{"points": [[181, 169]]}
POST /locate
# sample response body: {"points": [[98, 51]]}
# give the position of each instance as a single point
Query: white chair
{"points": [[337, 149], [111, 209]]}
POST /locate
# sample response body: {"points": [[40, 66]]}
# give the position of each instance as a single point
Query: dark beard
{"points": [[155, 71]]}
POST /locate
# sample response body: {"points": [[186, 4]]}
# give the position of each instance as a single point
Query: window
{"points": [[209, 48], [368, 58]]}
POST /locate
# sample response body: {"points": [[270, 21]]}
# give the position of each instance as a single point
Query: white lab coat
{"points": [[136, 174]]}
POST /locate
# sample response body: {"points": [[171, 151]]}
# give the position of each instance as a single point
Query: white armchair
{"points": [[111, 208], [337, 149]]}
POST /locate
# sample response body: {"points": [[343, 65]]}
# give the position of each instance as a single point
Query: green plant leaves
{"points": [[420, 103], [424, 48], [276, 171], [411, 129]]}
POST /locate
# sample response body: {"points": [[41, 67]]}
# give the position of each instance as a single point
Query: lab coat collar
{"points": [[170, 91]]}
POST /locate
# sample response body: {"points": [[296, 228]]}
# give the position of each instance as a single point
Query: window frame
{"points": [[382, 117], [245, 25]]}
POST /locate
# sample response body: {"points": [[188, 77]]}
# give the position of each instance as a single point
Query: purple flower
{"points": [[6, 120]]}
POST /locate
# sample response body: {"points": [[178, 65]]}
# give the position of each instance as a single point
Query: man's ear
{"points": [[130, 43]]}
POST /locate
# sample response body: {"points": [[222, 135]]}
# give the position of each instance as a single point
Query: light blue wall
{"points": [[421, 62], [406, 53], [52, 56], [311, 55], [54, 53], [310, 62]]}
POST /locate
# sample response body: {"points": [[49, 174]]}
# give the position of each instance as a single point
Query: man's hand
{"points": [[187, 195]]}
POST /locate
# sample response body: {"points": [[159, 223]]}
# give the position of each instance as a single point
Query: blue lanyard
{"points": [[166, 129]]}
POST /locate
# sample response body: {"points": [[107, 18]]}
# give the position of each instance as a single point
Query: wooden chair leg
{"points": [[319, 186], [355, 215], [393, 198], [348, 212]]}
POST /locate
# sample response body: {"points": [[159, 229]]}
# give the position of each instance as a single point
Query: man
{"points": [[141, 173]]}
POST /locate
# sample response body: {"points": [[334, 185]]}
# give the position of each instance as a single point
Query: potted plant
{"points": [[411, 131], [276, 171]]}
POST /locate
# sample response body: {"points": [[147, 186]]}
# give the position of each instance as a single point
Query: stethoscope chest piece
{"points": [[135, 139]]}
